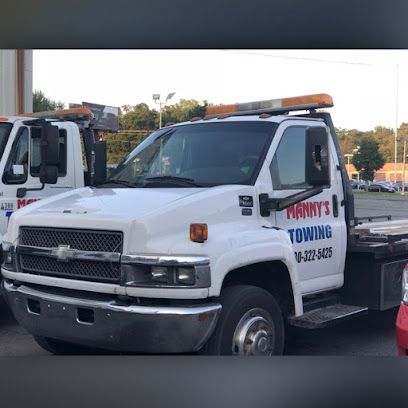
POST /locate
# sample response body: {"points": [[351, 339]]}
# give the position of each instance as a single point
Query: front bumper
{"points": [[97, 321], [402, 330]]}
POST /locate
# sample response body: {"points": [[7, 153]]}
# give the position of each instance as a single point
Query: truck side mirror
{"points": [[100, 164], [317, 157], [49, 154], [48, 174]]}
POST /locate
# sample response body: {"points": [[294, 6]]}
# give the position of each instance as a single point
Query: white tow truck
{"points": [[210, 236], [22, 181]]}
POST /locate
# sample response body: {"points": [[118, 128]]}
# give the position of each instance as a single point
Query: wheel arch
{"points": [[275, 276]]}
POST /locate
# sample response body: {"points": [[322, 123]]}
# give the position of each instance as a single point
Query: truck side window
{"points": [[35, 152], [288, 165], [15, 171]]}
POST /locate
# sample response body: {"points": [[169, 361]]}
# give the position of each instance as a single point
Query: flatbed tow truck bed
{"points": [[383, 239]]}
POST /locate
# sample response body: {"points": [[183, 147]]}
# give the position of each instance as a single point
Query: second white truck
{"points": [[210, 236], [74, 151]]}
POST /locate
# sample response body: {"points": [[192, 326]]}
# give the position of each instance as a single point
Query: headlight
{"points": [[175, 273], [9, 256], [405, 285], [160, 274], [185, 276]]}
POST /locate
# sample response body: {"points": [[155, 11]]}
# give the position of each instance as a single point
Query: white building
{"points": [[16, 81]]}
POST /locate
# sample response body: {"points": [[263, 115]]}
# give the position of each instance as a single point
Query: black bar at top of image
{"points": [[204, 24]]}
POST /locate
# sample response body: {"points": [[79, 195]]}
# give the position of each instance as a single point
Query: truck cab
{"points": [[211, 236], [21, 160]]}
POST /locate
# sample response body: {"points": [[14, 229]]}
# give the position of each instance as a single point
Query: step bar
{"points": [[327, 316]]}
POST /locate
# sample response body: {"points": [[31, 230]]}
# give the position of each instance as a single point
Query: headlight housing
{"points": [[173, 271], [405, 285], [9, 256]]}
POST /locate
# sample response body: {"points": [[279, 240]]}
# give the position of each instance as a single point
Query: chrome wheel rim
{"points": [[254, 334]]}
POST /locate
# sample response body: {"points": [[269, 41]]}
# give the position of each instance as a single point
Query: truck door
{"points": [[316, 226], [20, 168]]}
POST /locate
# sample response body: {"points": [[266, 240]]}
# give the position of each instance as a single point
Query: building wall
{"points": [[8, 82], [386, 173]]}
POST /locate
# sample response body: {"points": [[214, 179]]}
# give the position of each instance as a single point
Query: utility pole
{"points": [[396, 128], [403, 168]]}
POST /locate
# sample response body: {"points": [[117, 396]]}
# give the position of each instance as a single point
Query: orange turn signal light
{"points": [[198, 232]]}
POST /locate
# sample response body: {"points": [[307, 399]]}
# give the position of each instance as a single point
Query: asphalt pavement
{"points": [[370, 335]]}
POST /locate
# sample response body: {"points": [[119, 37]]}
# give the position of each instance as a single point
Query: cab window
{"points": [[288, 165], [16, 168], [35, 152]]}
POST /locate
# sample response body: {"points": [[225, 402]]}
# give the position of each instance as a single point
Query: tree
{"points": [[184, 110], [138, 117], [385, 138], [41, 103], [368, 159]]}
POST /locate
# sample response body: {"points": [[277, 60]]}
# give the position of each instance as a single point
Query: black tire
{"points": [[242, 303], [58, 347]]}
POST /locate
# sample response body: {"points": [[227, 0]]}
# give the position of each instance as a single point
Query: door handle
{"points": [[335, 205]]}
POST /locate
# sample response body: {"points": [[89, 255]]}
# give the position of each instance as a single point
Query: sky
{"points": [[363, 83]]}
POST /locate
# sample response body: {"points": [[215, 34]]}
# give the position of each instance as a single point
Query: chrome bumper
{"points": [[99, 322]]}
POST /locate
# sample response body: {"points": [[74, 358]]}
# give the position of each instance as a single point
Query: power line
{"points": [[299, 58]]}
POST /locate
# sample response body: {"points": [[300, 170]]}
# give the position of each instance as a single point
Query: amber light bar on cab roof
{"points": [[305, 102], [74, 114]]}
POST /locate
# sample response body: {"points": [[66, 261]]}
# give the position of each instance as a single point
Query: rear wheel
{"points": [[250, 323], [58, 347]]}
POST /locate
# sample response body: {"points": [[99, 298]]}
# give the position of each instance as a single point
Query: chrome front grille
{"points": [[84, 240], [96, 253], [76, 269]]}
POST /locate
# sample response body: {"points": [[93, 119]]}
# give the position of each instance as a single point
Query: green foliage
{"points": [[350, 139], [120, 144], [140, 121], [41, 103], [368, 158], [138, 117], [183, 111]]}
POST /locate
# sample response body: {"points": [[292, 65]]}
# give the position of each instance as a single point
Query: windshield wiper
{"points": [[120, 182], [175, 179]]}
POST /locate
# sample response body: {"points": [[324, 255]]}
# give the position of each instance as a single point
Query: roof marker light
{"points": [[304, 102]]}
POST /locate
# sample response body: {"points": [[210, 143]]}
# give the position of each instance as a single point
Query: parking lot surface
{"points": [[371, 335]]}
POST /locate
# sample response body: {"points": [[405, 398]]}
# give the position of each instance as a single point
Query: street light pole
{"points": [[396, 128], [156, 98], [403, 169], [160, 115]]}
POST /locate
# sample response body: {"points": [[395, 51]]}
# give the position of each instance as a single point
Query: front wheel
{"points": [[250, 323]]}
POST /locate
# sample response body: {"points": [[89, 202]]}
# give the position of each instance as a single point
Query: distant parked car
{"points": [[395, 186], [399, 184], [357, 185], [381, 187]]}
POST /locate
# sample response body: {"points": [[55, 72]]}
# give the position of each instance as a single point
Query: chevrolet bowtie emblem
{"points": [[63, 253]]}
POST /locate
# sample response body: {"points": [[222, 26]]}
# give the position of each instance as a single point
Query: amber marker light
{"points": [[198, 232]]}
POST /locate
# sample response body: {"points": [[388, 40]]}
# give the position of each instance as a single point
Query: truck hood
{"points": [[143, 214], [116, 202]]}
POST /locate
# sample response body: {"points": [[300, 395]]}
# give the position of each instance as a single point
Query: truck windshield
{"points": [[5, 129], [198, 155]]}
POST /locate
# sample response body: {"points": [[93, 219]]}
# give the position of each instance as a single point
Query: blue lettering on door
{"points": [[313, 233]]}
